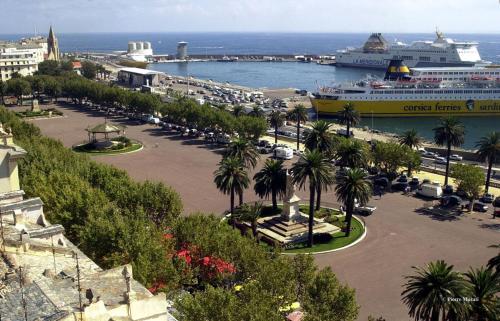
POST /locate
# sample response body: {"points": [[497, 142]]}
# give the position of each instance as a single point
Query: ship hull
{"points": [[411, 108]]}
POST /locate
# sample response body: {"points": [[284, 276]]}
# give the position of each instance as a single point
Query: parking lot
{"points": [[400, 234]]}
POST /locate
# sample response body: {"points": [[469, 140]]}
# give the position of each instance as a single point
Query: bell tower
{"points": [[53, 46]]}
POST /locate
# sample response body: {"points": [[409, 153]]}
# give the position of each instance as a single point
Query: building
{"points": [[52, 46], [43, 276], [139, 51], [136, 77], [182, 50], [19, 59]]}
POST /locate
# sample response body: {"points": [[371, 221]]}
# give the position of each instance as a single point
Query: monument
{"points": [[291, 226], [35, 107]]}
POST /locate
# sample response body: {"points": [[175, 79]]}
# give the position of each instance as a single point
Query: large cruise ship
{"points": [[442, 52], [430, 91]]}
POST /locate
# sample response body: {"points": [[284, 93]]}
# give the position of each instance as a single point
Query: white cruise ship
{"points": [[442, 52]]}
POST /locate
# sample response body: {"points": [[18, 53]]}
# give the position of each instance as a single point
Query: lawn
{"points": [[41, 113], [339, 240], [128, 149]]}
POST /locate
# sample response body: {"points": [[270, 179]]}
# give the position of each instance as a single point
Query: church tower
{"points": [[53, 46]]}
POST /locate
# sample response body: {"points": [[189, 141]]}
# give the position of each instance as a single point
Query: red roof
{"points": [[77, 65]]}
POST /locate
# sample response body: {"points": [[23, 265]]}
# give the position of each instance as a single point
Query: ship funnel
{"points": [[397, 70]]}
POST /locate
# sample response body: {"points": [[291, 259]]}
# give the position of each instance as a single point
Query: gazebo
{"points": [[104, 129]]}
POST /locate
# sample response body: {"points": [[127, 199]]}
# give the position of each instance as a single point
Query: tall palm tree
{"points": [[484, 286], [450, 132], [299, 115], [427, 293], [351, 153], [271, 179], [250, 213], [349, 117], [230, 178], [256, 112], [315, 168], [238, 110], [410, 138], [276, 120], [351, 187], [244, 150], [488, 148]]}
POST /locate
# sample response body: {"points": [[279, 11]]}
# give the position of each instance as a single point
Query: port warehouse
{"points": [[139, 77]]}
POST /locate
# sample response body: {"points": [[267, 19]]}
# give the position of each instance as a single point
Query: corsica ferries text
{"points": [[469, 105]]}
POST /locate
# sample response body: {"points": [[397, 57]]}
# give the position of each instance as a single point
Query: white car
{"points": [[456, 157], [440, 160], [283, 153], [429, 154]]}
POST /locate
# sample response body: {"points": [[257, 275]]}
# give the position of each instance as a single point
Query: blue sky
{"points": [[451, 16]]}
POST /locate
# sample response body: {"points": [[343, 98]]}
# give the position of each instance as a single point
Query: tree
{"points": [[450, 132], [315, 168], [351, 188], [49, 68], [230, 178], [244, 150], [89, 70], [238, 110], [488, 148], [411, 139], [390, 156], [250, 214], [3, 91], [276, 120], [271, 179], [352, 153], [349, 117], [328, 300], [484, 287], [19, 88], [469, 178], [427, 294], [256, 112], [299, 115]]}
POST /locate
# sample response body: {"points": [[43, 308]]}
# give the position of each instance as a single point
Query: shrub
{"points": [[322, 238]]}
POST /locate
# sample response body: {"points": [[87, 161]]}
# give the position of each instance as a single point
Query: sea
{"points": [[280, 74]]}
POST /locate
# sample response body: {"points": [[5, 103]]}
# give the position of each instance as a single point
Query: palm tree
{"points": [[315, 168], [351, 153], [450, 132], [351, 187], [276, 120], [320, 138], [250, 213], [271, 179], [411, 139], [427, 293], [488, 148], [349, 116], [231, 177], [299, 115], [238, 110], [484, 286], [256, 112], [244, 150]]}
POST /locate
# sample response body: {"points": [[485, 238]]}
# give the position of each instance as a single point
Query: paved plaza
{"points": [[398, 236]]}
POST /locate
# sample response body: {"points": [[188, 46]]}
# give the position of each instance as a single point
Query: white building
{"points": [[21, 59]]}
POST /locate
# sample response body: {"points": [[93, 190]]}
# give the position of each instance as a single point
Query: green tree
{"points": [[49, 68], [238, 110], [484, 287], [390, 156], [352, 153], [271, 179], [19, 88], [3, 91], [230, 178], [430, 293], [328, 300], [299, 115], [351, 188], [349, 116], [488, 148], [315, 168], [470, 179], [244, 150], [411, 138], [89, 70], [276, 120], [256, 112], [250, 214], [450, 132]]}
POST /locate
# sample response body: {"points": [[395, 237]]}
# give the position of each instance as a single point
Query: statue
{"points": [[290, 187], [291, 211]]}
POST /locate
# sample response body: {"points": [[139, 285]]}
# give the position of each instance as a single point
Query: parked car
{"points": [[440, 160], [414, 181], [477, 206], [381, 181], [283, 152], [432, 190], [451, 201], [429, 154], [448, 190], [496, 212], [496, 202], [487, 198], [365, 210], [456, 157], [403, 179]]}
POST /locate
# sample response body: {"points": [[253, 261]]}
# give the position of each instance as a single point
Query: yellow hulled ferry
{"points": [[432, 91]]}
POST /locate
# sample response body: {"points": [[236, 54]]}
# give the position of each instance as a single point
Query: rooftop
{"points": [[140, 71]]}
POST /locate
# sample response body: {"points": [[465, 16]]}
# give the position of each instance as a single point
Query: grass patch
{"points": [[337, 241], [87, 148], [41, 113]]}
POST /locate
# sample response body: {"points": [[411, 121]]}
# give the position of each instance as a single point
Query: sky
{"points": [[398, 16]]}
